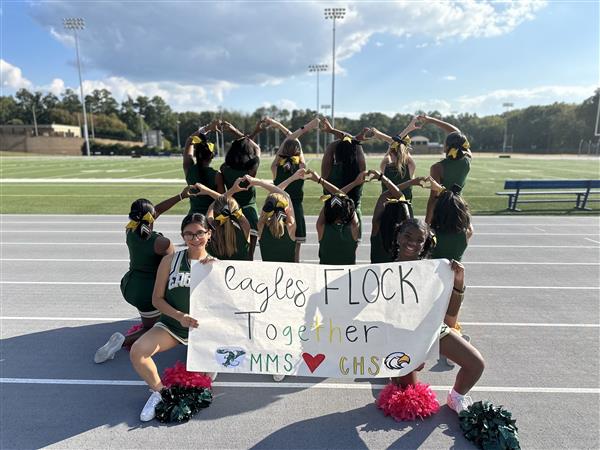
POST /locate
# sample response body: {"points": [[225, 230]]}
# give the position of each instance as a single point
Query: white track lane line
{"points": [[364, 244], [591, 240], [128, 319], [280, 385], [359, 261]]}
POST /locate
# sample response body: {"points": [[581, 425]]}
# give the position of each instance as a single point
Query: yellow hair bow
{"points": [[292, 159], [453, 153], [347, 139], [198, 140], [466, 145], [279, 206], [395, 200], [226, 215], [133, 224]]}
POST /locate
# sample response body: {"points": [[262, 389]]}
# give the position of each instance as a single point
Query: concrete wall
{"points": [[50, 145]]}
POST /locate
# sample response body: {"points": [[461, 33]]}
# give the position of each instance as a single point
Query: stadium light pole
{"points": [[178, 139], [317, 68], [74, 24], [507, 106], [333, 13]]}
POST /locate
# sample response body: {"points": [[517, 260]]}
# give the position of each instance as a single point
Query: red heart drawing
{"points": [[313, 361]]}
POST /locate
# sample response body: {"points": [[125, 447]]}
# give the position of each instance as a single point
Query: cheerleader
{"points": [[397, 164], [146, 250], [197, 156], [171, 297], [414, 241], [455, 167], [343, 161], [338, 224], [391, 210], [231, 229], [277, 223], [289, 159], [243, 158]]}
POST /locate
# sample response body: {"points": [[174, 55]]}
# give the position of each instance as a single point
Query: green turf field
{"points": [[487, 177]]}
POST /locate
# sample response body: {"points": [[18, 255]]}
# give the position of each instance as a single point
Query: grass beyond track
{"points": [[487, 176]]}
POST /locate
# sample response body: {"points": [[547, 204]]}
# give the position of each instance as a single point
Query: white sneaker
{"points": [[149, 411], [278, 377], [458, 402], [212, 375], [108, 350]]}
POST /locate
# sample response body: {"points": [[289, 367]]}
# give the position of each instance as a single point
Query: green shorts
{"points": [[137, 288], [251, 214], [300, 221]]}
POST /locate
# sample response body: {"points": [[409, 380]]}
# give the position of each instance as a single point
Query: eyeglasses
{"points": [[188, 235]]}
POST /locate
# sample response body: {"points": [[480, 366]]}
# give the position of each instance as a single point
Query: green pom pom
{"points": [[489, 427], [180, 403]]}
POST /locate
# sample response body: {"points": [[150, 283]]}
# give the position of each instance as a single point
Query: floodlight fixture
{"points": [[75, 24]]}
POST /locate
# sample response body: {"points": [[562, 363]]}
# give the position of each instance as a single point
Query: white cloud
{"points": [[12, 77], [491, 102], [378, 44], [257, 42], [181, 97], [283, 103], [449, 78]]}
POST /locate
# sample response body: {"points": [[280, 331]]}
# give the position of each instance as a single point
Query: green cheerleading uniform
{"points": [[455, 171], [277, 249], [336, 178], [207, 176], [337, 246], [138, 283], [296, 192], [378, 253], [450, 245], [177, 294], [242, 245], [392, 172], [246, 199]]}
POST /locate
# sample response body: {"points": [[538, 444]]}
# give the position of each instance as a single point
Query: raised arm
{"points": [[226, 126], [360, 179], [327, 128], [331, 188], [167, 204], [449, 128], [276, 124], [297, 175], [188, 149]]}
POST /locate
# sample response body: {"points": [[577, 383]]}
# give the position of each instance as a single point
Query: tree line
{"points": [[559, 127]]}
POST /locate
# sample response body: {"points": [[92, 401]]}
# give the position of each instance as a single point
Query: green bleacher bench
{"points": [[557, 189]]}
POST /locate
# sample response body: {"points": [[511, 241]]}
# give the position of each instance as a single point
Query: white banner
{"points": [[359, 321]]}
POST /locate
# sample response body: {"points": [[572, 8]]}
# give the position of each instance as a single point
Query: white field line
{"points": [[359, 261], [103, 283], [128, 319], [309, 245], [591, 240], [93, 180], [176, 230], [316, 385]]}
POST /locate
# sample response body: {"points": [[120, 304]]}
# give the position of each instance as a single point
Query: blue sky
{"points": [[392, 56]]}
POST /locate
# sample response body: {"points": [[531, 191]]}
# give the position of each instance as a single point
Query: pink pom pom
{"points": [[409, 403], [178, 375], [133, 329]]}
